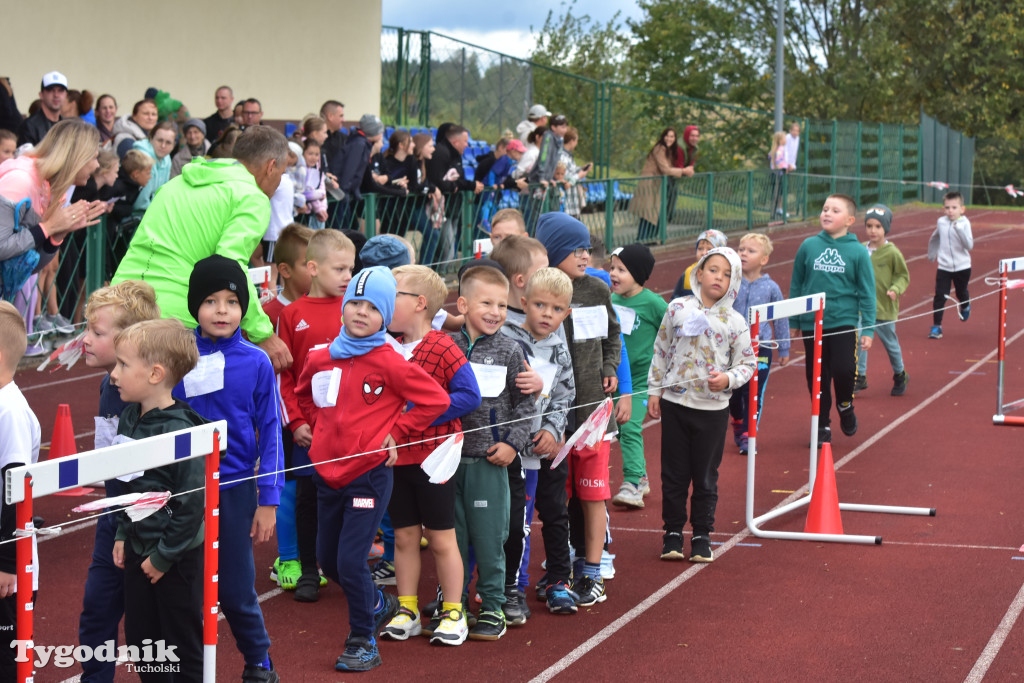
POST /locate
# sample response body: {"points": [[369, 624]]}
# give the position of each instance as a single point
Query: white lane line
{"points": [[58, 382], [995, 643], [46, 444]]}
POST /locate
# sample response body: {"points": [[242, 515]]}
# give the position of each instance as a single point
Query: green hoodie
{"points": [[841, 268], [213, 207], [891, 273]]}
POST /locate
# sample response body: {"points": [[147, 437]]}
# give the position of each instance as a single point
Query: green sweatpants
{"points": [[631, 440], [481, 521]]}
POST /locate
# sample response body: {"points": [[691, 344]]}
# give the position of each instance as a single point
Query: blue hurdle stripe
{"points": [[182, 446], [771, 313], [67, 473], [810, 304]]}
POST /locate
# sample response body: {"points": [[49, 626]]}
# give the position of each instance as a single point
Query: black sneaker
{"points": [[847, 419], [513, 609], [360, 655], [860, 384], [672, 546], [526, 607], [257, 674], [542, 588], [824, 435], [490, 625], [589, 591], [388, 610], [701, 550], [899, 384], [964, 311], [307, 588]]}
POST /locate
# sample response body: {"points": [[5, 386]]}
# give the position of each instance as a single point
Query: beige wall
{"points": [[291, 57]]}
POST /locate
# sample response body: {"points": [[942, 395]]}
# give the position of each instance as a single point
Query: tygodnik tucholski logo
{"points": [[152, 657], [830, 262]]}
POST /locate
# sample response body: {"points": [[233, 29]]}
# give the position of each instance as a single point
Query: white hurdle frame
{"points": [[25, 483], [1006, 266], [812, 303]]}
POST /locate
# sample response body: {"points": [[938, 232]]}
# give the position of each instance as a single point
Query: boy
{"points": [[355, 395], [640, 313], [109, 310], [706, 241], [891, 281], [8, 145], [951, 245], [482, 497], [134, 174], [547, 302], [505, 223], [162, 555], [701, 354], [290, 259], [235, 381], [755, 289], [415, 502], [311, 320], [595, 349], [20, 446], [834, 262]]}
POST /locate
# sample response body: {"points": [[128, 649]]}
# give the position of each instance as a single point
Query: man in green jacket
{"points": [[213, 207]]}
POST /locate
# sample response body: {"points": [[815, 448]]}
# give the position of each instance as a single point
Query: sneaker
{"points": [[490, 625], [589, 591], [307, 588], [860, 384], [847, 419], [744, 443], [383, 573], [406, 623], [899, 384], [559, 599], [964, 311], [607, 565], [286, 574], [672, 546], [360, 655], [433, 624], [824, 435], [452, 629], [700, 549], [645, 485], [542, 588], [629, 496], [36, 349], [257, 674], [936, 332], [64, 326], [42, 325], [737, 430], [388, 609], [522, 603], [513, 609]]}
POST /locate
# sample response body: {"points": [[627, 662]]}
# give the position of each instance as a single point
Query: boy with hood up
{"points": [[701, 354]]}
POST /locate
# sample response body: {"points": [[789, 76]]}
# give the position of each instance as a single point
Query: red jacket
{"points": [[375, 388], [308, 322], [439, 356]]}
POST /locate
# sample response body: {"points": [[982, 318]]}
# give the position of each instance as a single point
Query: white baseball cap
{"points": [[55, 78], [537, 111]]}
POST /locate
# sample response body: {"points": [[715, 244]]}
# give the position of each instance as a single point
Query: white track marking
{"points": [[58, 382], [995, 643]]}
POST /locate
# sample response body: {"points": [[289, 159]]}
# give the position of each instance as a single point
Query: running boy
{"points": [[234, 381], [355, 394], [161, 604], [640, 313], [756, 289], [20, 446], [706, 241], [834, 262], [891, 281], [951, 245], [701, 354]]}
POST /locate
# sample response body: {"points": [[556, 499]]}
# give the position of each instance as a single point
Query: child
{"points": [[891, 281], [20, 446], [315, 190], [706, 241], [109, 310], [596, 349], [495, 433], [951, 245], [756, 289], [640, 313], [416, 503], [310, 321], [701, 354], [504, 223], [8, 145], [834, 262], [162, 555], [568, 192], [777, 161], [547, 302], [235, 381], [355, 393], [136, 170]]}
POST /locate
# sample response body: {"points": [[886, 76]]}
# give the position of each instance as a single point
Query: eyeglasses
{"points": [[579, 253], [410, 294]]}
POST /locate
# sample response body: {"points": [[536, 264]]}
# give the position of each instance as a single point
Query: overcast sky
{"points": [[501, 26]]}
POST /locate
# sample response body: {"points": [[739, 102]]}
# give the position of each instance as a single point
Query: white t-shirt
{"points": [[282, 208], [792, 150], [19, 444]]}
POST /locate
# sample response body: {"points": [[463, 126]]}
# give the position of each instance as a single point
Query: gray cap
{"points": [[371, 125], [538, 111], [195, 123]]}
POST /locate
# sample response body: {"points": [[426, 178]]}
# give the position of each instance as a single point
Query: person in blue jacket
{"points": [[234, 381]]}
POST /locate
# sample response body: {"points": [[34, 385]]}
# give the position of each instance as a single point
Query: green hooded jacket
{"points": [[891, 273], [213, 207], [841, 268]]}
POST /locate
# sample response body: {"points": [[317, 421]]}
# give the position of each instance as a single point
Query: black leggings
{"points": [[838, 367], [943, 278]]}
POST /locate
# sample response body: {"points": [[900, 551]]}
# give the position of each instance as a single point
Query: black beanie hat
{"points": [[638, 259], [213, 274]]}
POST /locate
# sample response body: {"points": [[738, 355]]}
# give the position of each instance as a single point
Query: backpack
{"points": [[18, 252]]}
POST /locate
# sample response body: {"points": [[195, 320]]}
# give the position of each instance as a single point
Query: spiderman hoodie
{"points": [[354, 391]]}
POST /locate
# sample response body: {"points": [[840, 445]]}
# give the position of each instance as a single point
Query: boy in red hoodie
{"points": [[354, 394]]}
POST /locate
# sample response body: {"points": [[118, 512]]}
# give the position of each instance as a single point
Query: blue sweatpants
{"points": [[287, 533], [103, 603], [347, 523], [237, 582]]}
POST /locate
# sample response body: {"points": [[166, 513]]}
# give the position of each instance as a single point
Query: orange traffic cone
{"points": [[823, 512], [63, 443]]}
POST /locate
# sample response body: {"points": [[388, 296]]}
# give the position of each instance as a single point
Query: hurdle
{"points": [[25, 483], [260, 277], [1006, 266], [812, 303]]}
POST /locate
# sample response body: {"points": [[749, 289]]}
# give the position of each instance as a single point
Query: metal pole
{"points": [[780, 32], [462, 91]]}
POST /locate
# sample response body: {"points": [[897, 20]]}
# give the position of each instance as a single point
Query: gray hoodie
{"points": [[951, 244]]}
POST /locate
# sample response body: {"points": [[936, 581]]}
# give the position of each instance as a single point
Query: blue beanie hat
{"points": [[376, 285], [561, 234], [384, 250]]}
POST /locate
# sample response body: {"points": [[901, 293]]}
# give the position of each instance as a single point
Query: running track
{"points": [[938, 601]]}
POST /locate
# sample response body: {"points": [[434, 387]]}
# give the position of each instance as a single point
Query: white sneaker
{"points": [[607, 566], [452, 630], [629, 496], [61, 324], [404, 624], [645, 485], [42, 324]]}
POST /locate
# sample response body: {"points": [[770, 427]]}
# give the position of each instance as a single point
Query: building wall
{"points": [[290, 57]]}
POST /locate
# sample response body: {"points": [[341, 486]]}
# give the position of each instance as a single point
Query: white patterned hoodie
{"points": [[693, 341]]}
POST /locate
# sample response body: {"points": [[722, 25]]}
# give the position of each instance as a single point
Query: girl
{"points": [[777, 159], [159, 146], [128, 129], [106, 114], [315, 191], [314, 127]]}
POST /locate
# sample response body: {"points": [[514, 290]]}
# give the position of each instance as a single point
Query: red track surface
{"points": [[924, 606]]}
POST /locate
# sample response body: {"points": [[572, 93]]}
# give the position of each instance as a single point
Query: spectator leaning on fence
{"points": [[536, 117], [647, 201]]}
